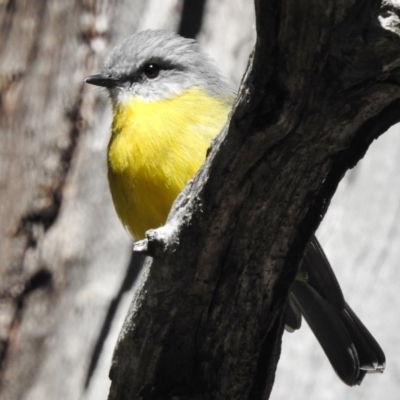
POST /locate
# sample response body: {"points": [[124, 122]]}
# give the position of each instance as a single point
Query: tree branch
{"points": [[207, 322]]}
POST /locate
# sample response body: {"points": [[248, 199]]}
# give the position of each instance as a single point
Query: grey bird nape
{"points": [[349, 346]]}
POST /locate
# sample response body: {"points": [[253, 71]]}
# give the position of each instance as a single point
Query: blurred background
{"points": [[67, 276]]}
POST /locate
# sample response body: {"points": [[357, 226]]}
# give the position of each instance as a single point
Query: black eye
{"points": [[151, 70]]}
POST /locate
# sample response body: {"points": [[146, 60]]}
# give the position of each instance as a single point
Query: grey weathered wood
{"points": [[207, 322], [63, 253], [228, 34]]}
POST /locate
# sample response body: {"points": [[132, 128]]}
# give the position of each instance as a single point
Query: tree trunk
{"points": [[207, 320]]}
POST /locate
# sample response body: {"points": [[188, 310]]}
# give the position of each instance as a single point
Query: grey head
{"points": [[156, 64]]}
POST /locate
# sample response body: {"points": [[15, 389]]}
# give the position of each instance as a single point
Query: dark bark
{"points": [[207, 322]]}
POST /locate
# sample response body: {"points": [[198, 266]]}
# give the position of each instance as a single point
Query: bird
{"points": [[169, 100]]}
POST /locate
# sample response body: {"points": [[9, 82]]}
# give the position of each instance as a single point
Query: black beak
{"points": [[104, 81]]}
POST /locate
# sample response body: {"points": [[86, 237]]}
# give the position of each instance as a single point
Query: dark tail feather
{"points": [[292, 317], [372, 358], [349, 346]]}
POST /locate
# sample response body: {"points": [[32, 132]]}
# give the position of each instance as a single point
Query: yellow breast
{"points": [[155, 148]]}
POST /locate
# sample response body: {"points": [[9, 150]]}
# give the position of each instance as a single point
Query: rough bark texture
{"points": [[66, 273], [206, 323]]}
